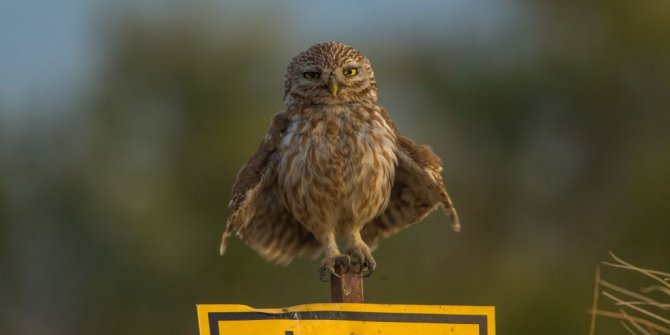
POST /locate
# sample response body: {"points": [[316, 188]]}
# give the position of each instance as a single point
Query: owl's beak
{"points": [[332, 85]]}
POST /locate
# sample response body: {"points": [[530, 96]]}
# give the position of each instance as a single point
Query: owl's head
{"points": [[329, 73]]}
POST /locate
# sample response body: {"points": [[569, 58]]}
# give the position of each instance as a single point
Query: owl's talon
{"points": [[367, 270], [346, 267], [329, 265], [362, 259], [356, 267]]}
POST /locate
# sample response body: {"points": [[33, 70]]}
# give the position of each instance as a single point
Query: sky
{"points": [[51, 49]]}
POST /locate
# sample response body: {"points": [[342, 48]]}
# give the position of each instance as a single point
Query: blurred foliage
{"points": [[556, 145]]}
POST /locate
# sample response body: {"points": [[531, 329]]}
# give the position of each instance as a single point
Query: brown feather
{"points": [[251, 172], [257, 217], [417, 191]]}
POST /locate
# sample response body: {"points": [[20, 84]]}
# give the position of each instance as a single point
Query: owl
{"points": [[333, 164]]}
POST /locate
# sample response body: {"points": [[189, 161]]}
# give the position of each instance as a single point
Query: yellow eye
{"points": [[311, 75], [352, 71]]}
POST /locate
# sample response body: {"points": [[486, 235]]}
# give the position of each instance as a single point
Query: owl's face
{"points": [[329, 73]]}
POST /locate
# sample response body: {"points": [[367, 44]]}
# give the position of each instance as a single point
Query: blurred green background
{"points": [[123, 125]]}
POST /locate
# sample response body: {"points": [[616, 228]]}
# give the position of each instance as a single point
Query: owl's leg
{"points": [[360, 252], [333, 257]]}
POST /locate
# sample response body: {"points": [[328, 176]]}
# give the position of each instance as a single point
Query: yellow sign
{"points": [[346, 319]]}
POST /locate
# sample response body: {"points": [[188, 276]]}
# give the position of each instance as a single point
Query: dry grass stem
{"points": [[595, 301], [659, 274], [646, 323], [648, 273], [639, 313], [652, 288], [641, 310], [635, 324], [629, 293], [625, 326], [642, 303]]}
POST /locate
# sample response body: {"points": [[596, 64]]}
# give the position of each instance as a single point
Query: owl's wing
{"points": [[418, 190], [258, 217]]}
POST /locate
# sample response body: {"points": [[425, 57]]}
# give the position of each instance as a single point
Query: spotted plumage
{"points": [[333, 164]]}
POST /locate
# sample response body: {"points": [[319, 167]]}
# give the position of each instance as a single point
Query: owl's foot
{"points": [[330, 262], [362, 259]]}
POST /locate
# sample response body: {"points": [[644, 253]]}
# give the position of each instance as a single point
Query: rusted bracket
{"points": [[348, 287]]}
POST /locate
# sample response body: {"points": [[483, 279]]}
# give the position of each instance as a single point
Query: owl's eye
{"points": [[351, 71], [311, 74]]}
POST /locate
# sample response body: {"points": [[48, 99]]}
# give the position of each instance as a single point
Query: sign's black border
{"points": [[481, 320]]}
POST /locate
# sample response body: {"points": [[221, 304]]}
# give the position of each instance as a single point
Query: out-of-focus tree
{"points": [[555, 141]]}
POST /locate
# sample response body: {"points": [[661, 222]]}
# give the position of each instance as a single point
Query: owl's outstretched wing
{"points": [[258, 217], [418, 190]]}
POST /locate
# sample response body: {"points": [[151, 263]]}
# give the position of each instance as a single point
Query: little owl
{"points": [[333, 164]]}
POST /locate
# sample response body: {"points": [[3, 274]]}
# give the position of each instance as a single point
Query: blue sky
{"points": [[50, 48]]}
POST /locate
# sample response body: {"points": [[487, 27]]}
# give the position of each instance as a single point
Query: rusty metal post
{"points": [[346, 288]]}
